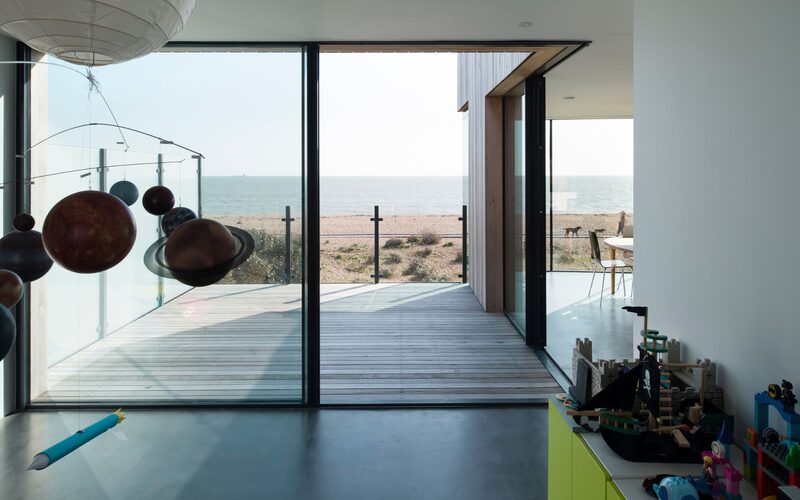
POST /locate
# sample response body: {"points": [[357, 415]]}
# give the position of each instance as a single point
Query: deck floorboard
{"points": [[388, 343]]}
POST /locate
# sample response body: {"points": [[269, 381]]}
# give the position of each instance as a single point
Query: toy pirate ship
{"points": [[648, 413]]}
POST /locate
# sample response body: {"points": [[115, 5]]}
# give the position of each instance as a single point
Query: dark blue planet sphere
{"points": [[125, 191], [23, 253], [175, 218], [8, 331]]}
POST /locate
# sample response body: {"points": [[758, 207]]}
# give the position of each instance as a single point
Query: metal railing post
{"points": [[463, 220], [199, 185], [377, 220], [160, 176], [102, 292], [287, 249]]}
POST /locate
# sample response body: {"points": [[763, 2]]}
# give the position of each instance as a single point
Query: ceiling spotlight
{"points": [[525, 24], [568, 98]]}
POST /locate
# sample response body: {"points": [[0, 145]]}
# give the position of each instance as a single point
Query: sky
{"points": [[380, 114]]}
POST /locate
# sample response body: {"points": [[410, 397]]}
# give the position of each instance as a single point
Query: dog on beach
{"points": [[599, 231], [573, 230]]}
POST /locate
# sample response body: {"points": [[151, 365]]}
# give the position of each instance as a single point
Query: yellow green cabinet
{"points": [[589, 478], [559, 456], [612, 492], [573, 471]]}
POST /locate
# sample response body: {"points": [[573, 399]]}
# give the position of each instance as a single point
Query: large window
{"points": [[514, 206], [233, 124], [590, 188]]}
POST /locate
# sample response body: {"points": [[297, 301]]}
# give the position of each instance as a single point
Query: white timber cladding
{"points": [[478, 74]]}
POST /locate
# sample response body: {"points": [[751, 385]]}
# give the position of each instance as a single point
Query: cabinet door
{"points": [[612, 492], [588, 476], [559, 456]]}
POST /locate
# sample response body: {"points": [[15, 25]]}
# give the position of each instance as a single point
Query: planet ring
{"points": [[155, 261]]}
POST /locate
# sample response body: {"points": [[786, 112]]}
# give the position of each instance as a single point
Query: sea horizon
{"points": [[397, 195]]}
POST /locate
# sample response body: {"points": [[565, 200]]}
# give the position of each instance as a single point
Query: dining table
{"points": [[621, 244]]}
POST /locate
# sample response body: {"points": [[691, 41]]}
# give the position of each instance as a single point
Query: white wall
{"points": [[717, 180]]}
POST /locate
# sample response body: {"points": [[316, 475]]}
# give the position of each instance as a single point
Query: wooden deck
{"points": [[388, 343]]}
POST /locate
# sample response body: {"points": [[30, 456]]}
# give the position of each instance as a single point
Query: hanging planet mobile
{"points": [[199, 252], [175, 218], [89, 232], [158, 200], [8, 331], [125, 191], [11, 288], [22, 251]]}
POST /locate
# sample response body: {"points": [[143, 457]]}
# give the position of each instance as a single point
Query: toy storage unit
{"points": [[582, 467], [765, 462]]}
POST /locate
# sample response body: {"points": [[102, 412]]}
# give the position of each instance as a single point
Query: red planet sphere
{"points": [[11, 288], [199, 245], [89, 232]]}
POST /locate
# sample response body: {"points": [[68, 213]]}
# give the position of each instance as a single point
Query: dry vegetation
{"points": [[429, 250]]}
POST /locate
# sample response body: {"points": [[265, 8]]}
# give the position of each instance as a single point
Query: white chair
{"points": [[606, 265]]}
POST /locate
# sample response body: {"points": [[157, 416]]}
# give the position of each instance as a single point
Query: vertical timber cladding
{"points": [[478, 74], [483, 78]]}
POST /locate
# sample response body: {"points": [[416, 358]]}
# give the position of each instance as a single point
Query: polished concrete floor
{"points": [[386, 454], [573, 313]]}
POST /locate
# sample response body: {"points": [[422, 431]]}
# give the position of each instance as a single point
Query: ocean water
{"points": [[398, 195], [583, 194]]}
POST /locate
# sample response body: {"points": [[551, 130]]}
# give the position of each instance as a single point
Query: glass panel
{"points": [[514, 207], [129, 334], [132, 290], [592, 185], [179, 174], [64, 304]]}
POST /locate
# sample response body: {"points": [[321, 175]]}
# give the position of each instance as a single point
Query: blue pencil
{"points": [[75, 441]]}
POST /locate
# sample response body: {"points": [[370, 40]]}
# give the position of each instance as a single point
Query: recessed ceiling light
{"points": [[525, 24], [568, 98]]}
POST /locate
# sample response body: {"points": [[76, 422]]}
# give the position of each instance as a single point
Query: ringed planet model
{"points": [[199, 252]]}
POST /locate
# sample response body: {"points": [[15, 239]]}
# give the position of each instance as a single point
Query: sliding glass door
{"points": [[514, 194], [224, 131]]}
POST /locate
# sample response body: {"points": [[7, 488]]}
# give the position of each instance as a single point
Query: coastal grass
{"points": [[431, 247]]}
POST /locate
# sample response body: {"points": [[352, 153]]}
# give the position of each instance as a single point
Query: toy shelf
{"points": [[764, 461]]}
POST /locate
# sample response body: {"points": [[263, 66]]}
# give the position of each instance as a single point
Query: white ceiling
{"points": [[600, 77]]}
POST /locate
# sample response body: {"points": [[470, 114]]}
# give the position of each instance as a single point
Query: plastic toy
{"points": [[650, 414], [65, 447], [769, 460], [675, 488], [710, 484]]}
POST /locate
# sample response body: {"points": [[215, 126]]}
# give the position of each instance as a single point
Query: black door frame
{"points": [[535, 192]]}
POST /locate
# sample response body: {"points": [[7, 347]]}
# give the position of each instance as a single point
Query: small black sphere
{"points": [[158, 200], [125, 191], [24, 222], [175, 218]]}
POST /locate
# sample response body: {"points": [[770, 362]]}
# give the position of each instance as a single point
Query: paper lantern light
{"points": [[95, 33]]}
